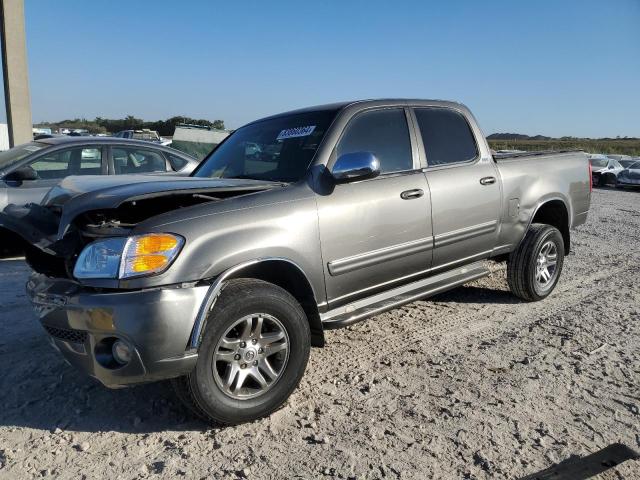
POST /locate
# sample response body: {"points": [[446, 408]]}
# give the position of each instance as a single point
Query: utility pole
{"points": [[15, 72]]}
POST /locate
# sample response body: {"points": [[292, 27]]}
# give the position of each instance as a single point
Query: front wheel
{"points": [[253, 354], [534, 268]]}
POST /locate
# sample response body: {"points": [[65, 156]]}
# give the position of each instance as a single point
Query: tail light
{"points": [[590, 177]]}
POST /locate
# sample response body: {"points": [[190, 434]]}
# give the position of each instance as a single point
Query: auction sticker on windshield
{"points": [[296, 132]]}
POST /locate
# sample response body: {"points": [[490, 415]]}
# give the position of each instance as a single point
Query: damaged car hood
{"points": [[45, 224]]}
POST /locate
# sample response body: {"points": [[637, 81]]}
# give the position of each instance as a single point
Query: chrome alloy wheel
{"points": [[546, 264], [251, 356]]}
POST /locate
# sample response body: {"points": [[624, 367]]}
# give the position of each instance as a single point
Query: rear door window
{"points": [[446, 135], [128, 160], [383, 133]]}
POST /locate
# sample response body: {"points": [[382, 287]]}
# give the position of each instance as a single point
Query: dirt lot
{"points": [[471, 384]]}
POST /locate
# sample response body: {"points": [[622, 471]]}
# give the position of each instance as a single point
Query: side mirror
{"points": [[351, 167], [22, 174]]}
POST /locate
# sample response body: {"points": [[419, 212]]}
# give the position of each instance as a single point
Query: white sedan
{"points": [[604, 171]]}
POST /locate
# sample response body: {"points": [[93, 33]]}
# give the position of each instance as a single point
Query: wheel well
{"points": [[554, 213], [289, 277]]}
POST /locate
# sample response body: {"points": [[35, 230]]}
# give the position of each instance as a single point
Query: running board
{"points": [[370, 306]]}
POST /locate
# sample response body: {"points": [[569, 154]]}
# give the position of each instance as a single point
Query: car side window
{"points": [[446, 135], [383, 133], [72, 161], [137, 160], [177, 163]]}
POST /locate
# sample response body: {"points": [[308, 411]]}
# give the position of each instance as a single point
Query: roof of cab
{"points": [[364, 104], [67, 140]]}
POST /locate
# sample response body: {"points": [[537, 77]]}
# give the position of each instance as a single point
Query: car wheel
{"points": [[253, 353], [534, 268]]}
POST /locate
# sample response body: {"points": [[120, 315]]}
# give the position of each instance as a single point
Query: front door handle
{"points": [[409, 194], [487, 180]]}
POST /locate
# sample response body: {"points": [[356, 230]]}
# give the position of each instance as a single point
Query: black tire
{"points": [[602, 181], [199, 390], [521, 266]]}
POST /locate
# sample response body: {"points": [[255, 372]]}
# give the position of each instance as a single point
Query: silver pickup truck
{"points": [[296, 223]]}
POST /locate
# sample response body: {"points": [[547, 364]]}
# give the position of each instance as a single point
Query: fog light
{"points": [[121, 352]]}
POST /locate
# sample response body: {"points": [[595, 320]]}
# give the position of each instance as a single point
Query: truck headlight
{"points": [[149, 254], [100, 259], [135, 256]]}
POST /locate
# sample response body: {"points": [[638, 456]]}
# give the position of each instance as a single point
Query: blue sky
{"points": [[545, 67]]}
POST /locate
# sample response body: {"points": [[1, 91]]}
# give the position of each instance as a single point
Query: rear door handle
{"points": [[487, 180], [409, 194]]}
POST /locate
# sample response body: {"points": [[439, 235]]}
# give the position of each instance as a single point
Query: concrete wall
{"points": [[16, 73]]}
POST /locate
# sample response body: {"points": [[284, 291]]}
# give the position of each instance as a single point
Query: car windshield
{"points": [[278, 149], [599, 162], [15, 154]]}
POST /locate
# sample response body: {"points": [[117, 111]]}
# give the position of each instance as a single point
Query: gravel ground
{"points": [[470, 384]]}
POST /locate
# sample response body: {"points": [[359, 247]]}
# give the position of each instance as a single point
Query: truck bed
{"points": [[533, 178], [541, 153]]}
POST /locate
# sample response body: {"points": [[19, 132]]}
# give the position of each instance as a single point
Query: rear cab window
{"points": [[446, 135]]}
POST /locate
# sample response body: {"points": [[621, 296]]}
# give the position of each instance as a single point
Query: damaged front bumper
{"points": [[83, 324]]}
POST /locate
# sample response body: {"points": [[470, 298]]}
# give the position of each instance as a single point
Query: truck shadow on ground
{"points": [[473, 294], [41, 391]]}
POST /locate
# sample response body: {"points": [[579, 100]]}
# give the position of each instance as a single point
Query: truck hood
{"points": [[46, 224], [99, 192]]}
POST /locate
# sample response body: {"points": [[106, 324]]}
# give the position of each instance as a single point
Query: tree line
{"points": [[108, 125]]}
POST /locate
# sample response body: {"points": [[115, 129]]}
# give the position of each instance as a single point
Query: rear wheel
{"points": [[253, 354], [534, 268]]}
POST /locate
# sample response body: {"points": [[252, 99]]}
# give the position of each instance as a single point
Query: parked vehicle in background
{"points": [[627, 162], [630, 176], [28, 171], [618, 157], [144, 134], [604, 171], [224, 280]]}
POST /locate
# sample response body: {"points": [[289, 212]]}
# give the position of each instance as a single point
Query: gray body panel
{"points": [[361, 246], [532, 181]]}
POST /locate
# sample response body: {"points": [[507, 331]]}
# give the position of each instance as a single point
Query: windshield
{"points": [[599, 162], [278, 149], [15, 154]]}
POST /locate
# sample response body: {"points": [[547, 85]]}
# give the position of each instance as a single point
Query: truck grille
{"points": [[74, 336]]}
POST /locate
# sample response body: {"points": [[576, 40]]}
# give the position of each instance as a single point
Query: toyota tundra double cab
{"points": [[296, 223]]}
